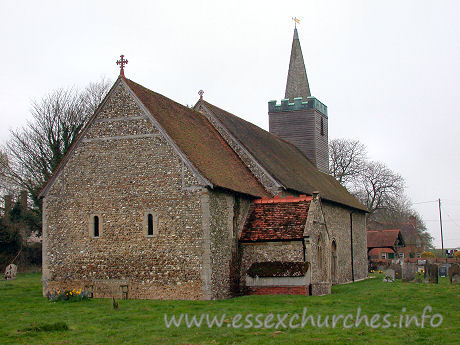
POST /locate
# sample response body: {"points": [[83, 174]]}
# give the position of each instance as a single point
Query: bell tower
{"points": [[300, 118]]}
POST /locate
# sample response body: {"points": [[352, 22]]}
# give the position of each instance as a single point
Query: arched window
{"points": [[96, 226], [150, 225], [333, 261], [322, 126], [320, 251]]}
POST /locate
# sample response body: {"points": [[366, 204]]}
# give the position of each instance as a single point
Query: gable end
{"points": [[134, 128]]}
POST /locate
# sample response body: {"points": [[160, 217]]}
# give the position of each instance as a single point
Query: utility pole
{"points": [[440, 224]]}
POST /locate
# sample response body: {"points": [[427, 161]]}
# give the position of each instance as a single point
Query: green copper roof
{"points": [[310, 103]]}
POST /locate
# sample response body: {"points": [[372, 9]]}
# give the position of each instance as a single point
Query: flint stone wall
{"points": [[227, 215], [122, 169], [268, 252], [338, 225]]}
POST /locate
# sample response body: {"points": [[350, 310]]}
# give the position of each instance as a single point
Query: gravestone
{"points": [[443, 271], [431, 273], [398, 270], [389, 275], [381, 267], [409, 271], [10, 272], [454, 273]]}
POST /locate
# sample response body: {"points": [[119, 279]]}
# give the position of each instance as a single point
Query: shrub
{"points": [[33, 254], [457, 254], [427, 255], [69, 295]]}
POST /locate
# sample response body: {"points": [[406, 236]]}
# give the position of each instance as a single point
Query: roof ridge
{"points": [[264, 130], [288, 198]]}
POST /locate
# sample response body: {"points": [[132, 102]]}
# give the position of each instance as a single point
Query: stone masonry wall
{"points": [[122, 170], [228, 212], [317, 248], [338, 224], [269, 251]]}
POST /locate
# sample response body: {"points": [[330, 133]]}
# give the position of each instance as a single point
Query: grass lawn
{"points": [[28, 318]]}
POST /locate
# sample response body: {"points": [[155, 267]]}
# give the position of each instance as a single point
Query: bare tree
{"points": [[374, 184], [36, 150], [397, 214], [397, 210], [378, 187], [346, 159], [7, 185]]}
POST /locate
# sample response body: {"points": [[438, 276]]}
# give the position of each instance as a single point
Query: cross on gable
{"points": [[122, 62], [201, 93]]}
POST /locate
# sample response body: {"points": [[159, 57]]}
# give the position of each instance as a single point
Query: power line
{"points": [[453, 220], [424, 202], [437, 220]]}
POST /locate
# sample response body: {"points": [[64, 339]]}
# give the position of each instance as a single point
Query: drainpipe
{"points": [[351, 247], [304, 248]]}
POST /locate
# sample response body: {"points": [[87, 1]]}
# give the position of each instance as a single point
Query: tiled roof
{"points": [[200, 142], [379, 251], [272, 220], [284, 161], [384, 238], [408, 230]]}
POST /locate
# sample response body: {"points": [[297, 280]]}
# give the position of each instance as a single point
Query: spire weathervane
{"points": [[296, 21], [201, 93], [122, 62]]}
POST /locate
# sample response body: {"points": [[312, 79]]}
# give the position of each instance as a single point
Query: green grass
{"points": [[28, 318]]}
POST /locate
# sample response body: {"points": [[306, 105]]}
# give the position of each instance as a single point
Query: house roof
{"points": [[285, 162], [408, 229], [276, 219], [379, 251], [383, 238]]}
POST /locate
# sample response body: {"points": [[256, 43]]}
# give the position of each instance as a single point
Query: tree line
{"points": [[374, 184], [29, 157]]}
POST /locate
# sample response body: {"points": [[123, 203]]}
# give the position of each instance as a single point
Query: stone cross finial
{"points": [[201, 93], [122, 62]]}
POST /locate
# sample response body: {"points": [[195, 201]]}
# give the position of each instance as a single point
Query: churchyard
{"points": [[28, 318]]}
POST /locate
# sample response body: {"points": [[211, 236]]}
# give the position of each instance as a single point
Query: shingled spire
{"points": [[300, 118], [297, 81]]}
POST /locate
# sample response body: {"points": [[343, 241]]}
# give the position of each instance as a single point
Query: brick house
{"points": [[157, 200], [411, 245], [384, 245]]}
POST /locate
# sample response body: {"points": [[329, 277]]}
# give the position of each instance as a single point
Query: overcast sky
{"points": [[388, 71]]}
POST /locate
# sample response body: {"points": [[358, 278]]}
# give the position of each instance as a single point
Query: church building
{"points": [[159, 201]]}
